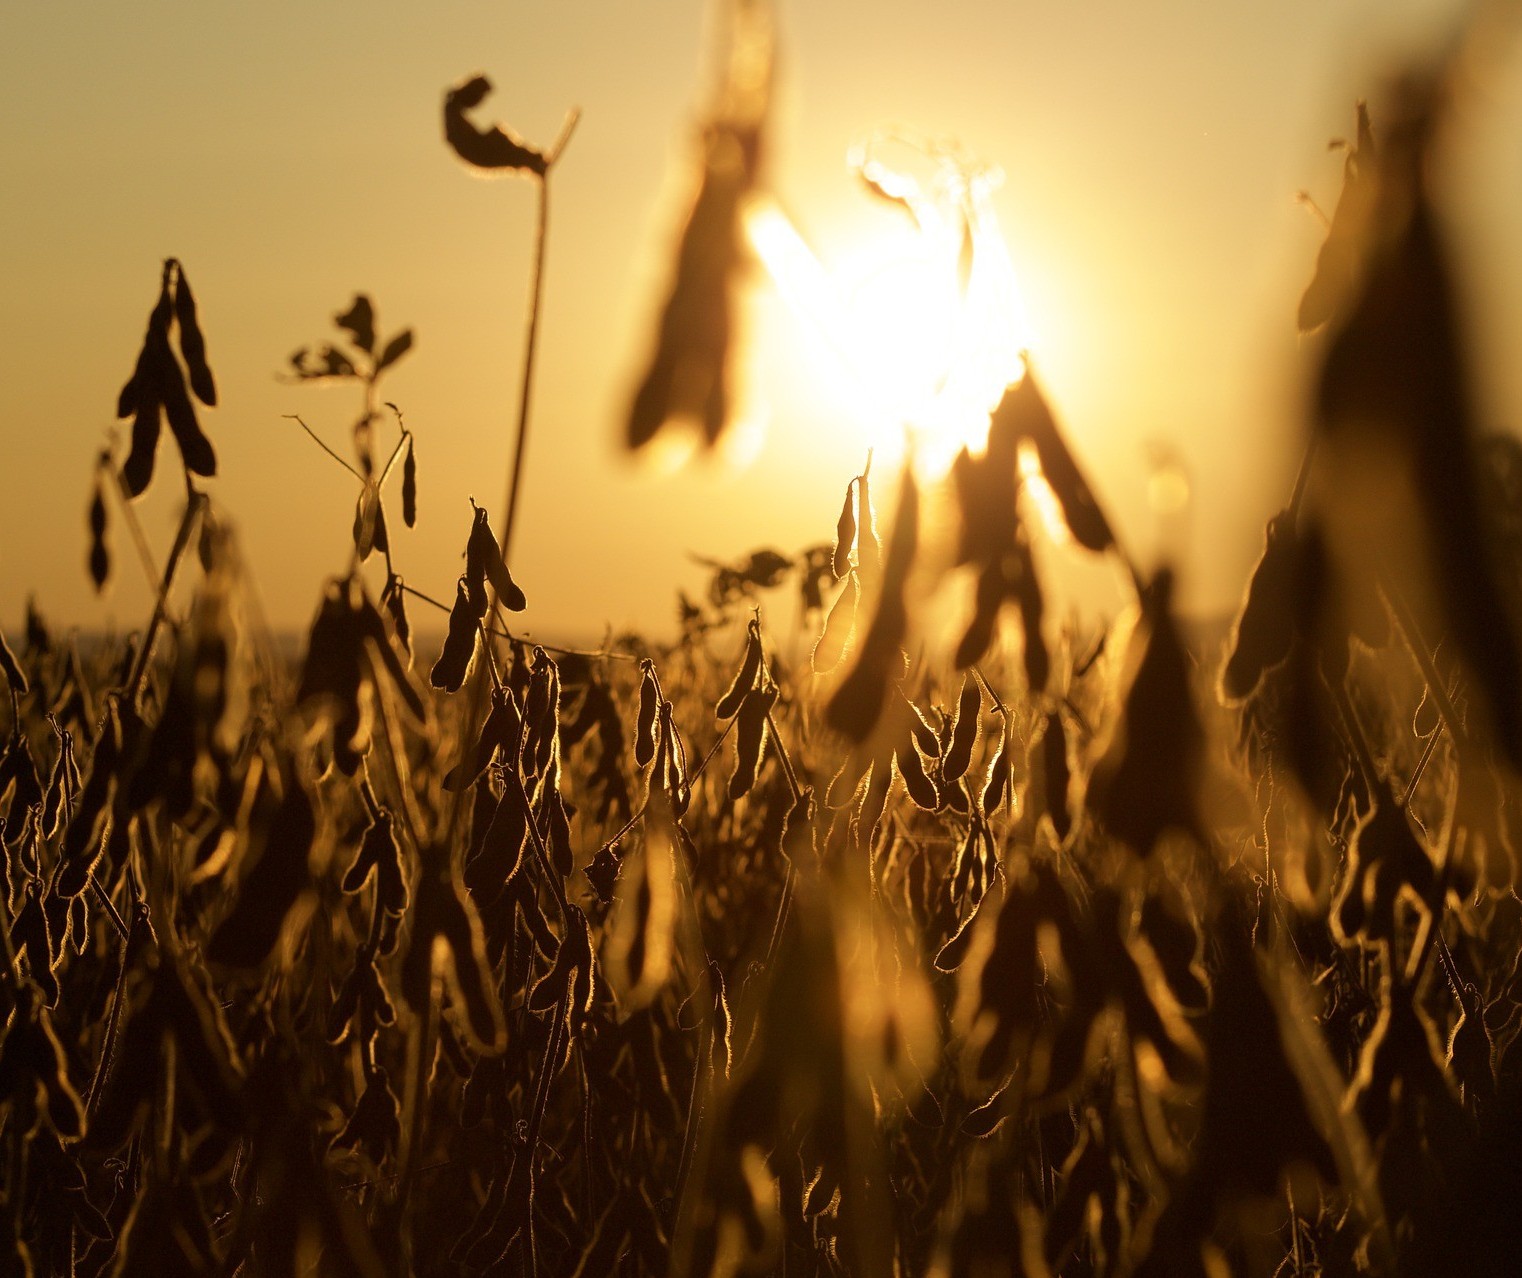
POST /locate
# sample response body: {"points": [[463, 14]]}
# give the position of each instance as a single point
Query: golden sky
{"points": [[291, 154]]}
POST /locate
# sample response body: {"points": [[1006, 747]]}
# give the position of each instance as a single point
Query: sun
{"points": [[924, 315]]}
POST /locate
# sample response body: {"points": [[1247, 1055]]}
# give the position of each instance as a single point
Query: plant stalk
{"points": [[193, 509]]}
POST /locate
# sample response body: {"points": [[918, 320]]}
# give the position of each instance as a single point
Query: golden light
{"points": [[924, 317]]}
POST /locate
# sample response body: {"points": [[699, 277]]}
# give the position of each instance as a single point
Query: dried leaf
{"points": [[395, 349], [359, 322], [493, 148]]}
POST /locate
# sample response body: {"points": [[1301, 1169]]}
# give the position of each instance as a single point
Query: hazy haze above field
{"points": [[292, 154]]}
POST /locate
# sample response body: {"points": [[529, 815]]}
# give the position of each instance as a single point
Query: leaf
{"points": [[395, 349], [1258, 1117], [328, 361], [493, 148], [359, 322]]}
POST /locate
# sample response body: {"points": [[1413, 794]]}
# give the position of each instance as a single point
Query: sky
{"points": [[291, 154]]}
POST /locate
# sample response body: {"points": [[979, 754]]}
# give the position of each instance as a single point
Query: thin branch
{"points": [[993, 696], [541, 853], [135, 528], [106, 903], [320, 444], [396, 452], [1437, 688], [103, 1065], [787, 764], [572, 119], [1421, 766], [531, 349]]}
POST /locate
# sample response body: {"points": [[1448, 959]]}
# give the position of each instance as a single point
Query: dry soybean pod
{"points": [[745, 678], [837, 628], [964, 730], [649, 705]]}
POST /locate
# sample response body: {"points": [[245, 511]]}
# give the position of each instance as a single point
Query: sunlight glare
{"points": [[925, 320], [1035, 490]]}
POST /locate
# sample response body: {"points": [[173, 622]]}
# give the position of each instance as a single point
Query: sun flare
{"points": [[924, 317]]}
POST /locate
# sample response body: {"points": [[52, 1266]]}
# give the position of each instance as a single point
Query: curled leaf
{"points": [[493, 148], [395, 349]]}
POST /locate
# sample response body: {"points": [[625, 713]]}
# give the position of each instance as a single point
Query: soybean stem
{"points": [[181, 541], [324, 447], [135, 528]]}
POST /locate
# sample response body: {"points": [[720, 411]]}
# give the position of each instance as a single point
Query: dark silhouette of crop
{"points": [[1047, 954]]}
